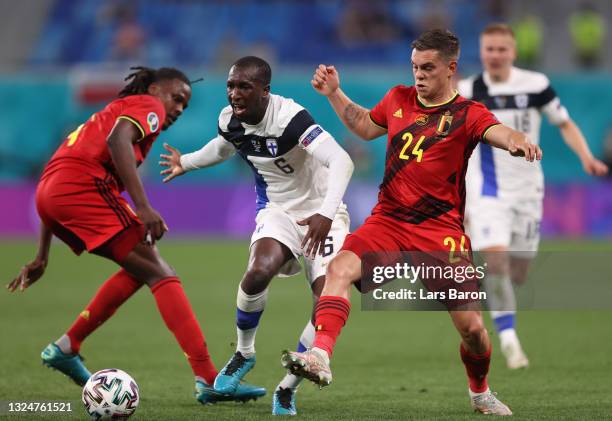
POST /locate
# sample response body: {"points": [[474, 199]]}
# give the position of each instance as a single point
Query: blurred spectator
{"points": [[416, 17], [588, 30], [230, 49], [366, 22], [129, 41], [435, 15], [497, 10], [529, 33]]}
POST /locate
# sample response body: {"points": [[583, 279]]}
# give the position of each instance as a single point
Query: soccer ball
{"points": [[110, 394]]}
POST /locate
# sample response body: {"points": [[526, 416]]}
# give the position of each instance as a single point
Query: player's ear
{"points": [[452, 67], [154, 89], [266, 89], [513, 50]]}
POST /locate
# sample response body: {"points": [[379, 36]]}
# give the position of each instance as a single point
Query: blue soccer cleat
{"points": [[206, 394], [283, 402], [234, 371], [69, 364]]}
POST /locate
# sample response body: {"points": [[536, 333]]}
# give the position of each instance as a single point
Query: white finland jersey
{"points": [[277, 150], [517, 103]]}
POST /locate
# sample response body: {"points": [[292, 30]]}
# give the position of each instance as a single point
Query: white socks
{"points": [[507, 337], [250, 309], [500, 293]]}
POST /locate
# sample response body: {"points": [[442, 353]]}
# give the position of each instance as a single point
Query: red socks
{"points": [[477, 367], [331, 314], [114, 292], [173, 306], [180, 320]]}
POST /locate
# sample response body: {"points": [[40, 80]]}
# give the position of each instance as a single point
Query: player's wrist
{"points": [[42, 258], [183, 163], [334, 93], [586, 159], [142, 206], [328, 212]]}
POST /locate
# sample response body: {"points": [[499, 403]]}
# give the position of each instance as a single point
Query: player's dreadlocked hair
{"points": [[143, 77]]}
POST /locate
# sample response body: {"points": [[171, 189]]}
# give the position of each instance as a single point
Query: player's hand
{"points": [[29, 274], [314, 240], [154, 224], [593, 166], [172, 161], [526, 149], [325, 80]]}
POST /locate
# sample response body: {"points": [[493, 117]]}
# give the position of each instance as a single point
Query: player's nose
{"points": [[233, 93]]}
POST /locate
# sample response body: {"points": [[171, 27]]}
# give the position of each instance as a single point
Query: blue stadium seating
{"points": [[192, 32]]}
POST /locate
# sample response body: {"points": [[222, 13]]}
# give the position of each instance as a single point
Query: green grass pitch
{"points": [[388, 365]]}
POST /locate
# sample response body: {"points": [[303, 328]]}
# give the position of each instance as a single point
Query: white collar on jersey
{"points": [[511, 78]]}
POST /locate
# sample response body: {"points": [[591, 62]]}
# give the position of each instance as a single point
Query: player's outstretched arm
{"points": [[214, 152], [573, 137], [120, 142], [356, 118], [515, 142], [34, 270]]}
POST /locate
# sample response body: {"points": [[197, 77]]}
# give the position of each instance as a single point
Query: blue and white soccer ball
{"points": [[110, 394]]}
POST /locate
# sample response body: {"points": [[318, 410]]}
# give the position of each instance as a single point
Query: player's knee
{"points": [[338, 273], [497, 262], [160, 274], [258, 274], [473, 330], [146, 265], [161, 269], [519, 277]]}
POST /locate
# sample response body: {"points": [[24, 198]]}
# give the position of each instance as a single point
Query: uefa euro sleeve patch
{"points": [[153, 122], [310, 137]]}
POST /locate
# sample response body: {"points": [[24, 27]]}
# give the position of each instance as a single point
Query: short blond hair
{"points": [[498, 28]]}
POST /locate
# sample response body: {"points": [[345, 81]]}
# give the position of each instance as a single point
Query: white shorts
{"points": [[514, 224], [273, 222]]}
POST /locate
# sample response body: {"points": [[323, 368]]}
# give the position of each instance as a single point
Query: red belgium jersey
{"points": [[86, 149], [428, 149]]}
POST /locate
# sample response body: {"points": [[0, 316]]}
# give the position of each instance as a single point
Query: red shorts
{"points": [[88, 213], [383, 240], [382, 233]]}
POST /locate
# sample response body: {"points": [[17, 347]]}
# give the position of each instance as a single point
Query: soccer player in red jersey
{"points": [[78, 200], [431, 133]]}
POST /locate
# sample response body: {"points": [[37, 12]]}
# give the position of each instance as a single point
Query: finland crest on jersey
{"points": [[277, 151], [517, 103], [272, 146]]}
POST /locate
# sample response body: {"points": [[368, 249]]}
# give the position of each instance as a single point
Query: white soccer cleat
{"points": [[310, 365], [488, 404], [515, 357]]}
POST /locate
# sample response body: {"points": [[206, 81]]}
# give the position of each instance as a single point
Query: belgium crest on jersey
{"points": [[272, 146], [444, 124]]}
